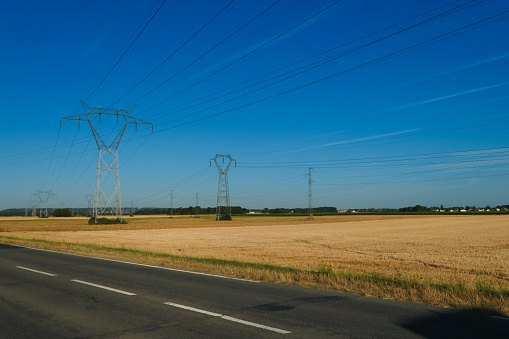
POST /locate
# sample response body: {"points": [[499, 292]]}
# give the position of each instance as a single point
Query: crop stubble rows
{"points": [[444, 249]]}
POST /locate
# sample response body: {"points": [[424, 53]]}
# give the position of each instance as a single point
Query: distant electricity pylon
{"points": [[171, 204], [310, 194], [90, 200], [107, 162], [44, 196], [223, 194], [33, 203], [131, 213], [197, 208]]}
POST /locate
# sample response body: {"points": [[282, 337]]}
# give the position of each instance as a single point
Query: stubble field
{"points": [[434, 259]]}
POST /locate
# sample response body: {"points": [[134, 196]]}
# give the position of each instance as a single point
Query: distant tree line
{"points": [[419, 208], [299, 210], [62, 212], [150, 211], [372, 210], [13, 212], [191, 210]]}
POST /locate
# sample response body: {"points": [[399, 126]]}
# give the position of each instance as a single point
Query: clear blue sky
{"points": [[393, 103]]}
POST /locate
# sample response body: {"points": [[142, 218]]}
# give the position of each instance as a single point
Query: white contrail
{"points": [[373, 137], [443, 97], [457, 69], [323, 135]]}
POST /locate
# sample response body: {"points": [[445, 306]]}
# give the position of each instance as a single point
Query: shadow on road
{"points": [[286, 306], [459, 324], [8, 247]]}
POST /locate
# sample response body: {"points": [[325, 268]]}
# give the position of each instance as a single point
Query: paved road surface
{"points": [[46, 294]]}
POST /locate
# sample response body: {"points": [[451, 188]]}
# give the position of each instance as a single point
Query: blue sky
{"points": [[392, 103]]}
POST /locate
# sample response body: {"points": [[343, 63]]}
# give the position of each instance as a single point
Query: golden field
{"points": [[466, 250]]}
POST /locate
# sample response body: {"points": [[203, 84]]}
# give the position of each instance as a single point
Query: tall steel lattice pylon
{"points": [[223, 195], [90, 200], [44, 196], [107, 162], [310, 194], [171, 204], [33, 203], [197, 208]]}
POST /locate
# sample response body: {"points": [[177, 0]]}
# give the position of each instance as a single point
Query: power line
{"points": [[245, 55], [51, 160], [400, 185], [174, 52], [360, 66], [328, 59], [87, 139], [422, 156], [199, 58], [176, 184], [125, 52], [314, 65]]}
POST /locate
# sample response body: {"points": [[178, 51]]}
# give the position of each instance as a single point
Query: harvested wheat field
{"points": [[466, 251]]}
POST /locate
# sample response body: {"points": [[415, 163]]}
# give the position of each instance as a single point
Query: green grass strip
{"points": [[175, 257], [323, 270]]}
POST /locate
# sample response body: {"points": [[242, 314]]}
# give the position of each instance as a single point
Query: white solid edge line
{"points": [[36, 271], [103, 287], [225, 317], [503, 318], [144, 265]]}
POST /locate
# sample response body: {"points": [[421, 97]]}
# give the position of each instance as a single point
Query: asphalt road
{"points": [[46, 294]]}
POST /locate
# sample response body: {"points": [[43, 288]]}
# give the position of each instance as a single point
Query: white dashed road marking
{"points": [[36, 271], [222, 316], [103, 287], [225, 317], [143, 265]]}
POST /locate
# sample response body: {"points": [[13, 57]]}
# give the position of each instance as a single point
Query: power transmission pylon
{"points": [[171, 204], [90, 200], [223, 194], [197, 208], [44, 196], [33, 204], [107, 162], [310, 194]]}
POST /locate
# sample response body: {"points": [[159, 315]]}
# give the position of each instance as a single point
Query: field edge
{"points": [[483, 298]]}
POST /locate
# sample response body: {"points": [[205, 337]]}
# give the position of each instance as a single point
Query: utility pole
{"points": [[44, 196], [223, 194], [197, 208], [171, 204], [310, 194], [107, 162]]}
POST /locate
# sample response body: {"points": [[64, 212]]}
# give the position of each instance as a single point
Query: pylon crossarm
{"points": [[136, 121], [77, 117]]}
